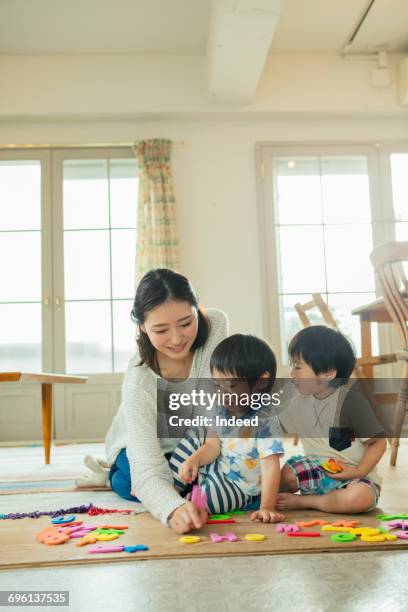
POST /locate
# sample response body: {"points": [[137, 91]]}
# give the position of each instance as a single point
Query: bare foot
{"points": [[289, 501]]}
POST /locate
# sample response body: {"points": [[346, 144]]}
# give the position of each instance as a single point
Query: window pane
{"points": [[302, 259], [100, 196], [87, 265], [346, 195], [124, 334], [401, 231], [88, 337], [86, 194], [401, 234], [329, 198], [297, 190], [347, 255], [20, 335], [399, 173], [291, 321], [20, 254], [341, 305], [20, 195], [124, 186], [123, 263]]}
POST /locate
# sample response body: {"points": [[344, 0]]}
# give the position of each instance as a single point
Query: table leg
{"points": [[46, 390], [366, 346]]}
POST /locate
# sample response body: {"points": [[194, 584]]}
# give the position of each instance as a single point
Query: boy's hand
{"points": [[188, 470], [266, 515], [347, 473]]}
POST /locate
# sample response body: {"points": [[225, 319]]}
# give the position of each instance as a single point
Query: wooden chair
{"points": [[319, 303], [361, 362], [388, 260]]}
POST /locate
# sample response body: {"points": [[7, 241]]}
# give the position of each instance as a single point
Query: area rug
{"points": [[20, 549], [59, 485]]}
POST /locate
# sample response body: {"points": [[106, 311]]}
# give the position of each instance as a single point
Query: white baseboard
{"points": [[54, 442]]}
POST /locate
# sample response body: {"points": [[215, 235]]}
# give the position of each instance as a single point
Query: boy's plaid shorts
{"points": [[313, 480]]}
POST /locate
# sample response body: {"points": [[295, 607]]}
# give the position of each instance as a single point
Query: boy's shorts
{"points": [[312, 479]]}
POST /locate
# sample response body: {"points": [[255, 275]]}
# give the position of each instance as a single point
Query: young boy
{"points": [[322, 362], [235, 463]]}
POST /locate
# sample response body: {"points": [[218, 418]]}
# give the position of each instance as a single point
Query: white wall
{"points": [[111, 99], [52, 85], [89, 86], [326, 83], [216, 190]]}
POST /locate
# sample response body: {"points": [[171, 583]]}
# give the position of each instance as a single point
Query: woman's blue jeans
{"points": [[119, 477]]}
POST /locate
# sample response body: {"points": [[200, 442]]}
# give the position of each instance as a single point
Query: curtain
{"points": [[157, 242]]}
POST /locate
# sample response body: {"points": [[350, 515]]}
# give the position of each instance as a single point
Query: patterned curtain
{"points": [[157, 243]]}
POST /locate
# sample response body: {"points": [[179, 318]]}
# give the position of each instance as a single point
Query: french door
{"points": [[67, 247], [323, 208]]}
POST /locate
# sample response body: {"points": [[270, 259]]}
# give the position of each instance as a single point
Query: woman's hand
{"points": [[266, 515], [187, 517], [188, 470]]}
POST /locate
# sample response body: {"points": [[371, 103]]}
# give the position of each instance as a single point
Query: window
{"points": [[399, 173], [322, 206], [99, 210], [20, 256], [321, 216], [67, 245]]}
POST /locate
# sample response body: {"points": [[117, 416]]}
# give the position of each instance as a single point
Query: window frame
{"points": [[58, 157], [44, 157], [52, 257], [382, 219]]}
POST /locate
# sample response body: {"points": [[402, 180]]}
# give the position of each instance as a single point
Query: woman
{"points": [[175, 340]]}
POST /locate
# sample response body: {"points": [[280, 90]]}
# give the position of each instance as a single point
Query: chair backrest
{"points": [[388, 260], [319, 303]]}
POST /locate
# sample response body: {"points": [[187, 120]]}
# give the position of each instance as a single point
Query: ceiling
{"points": [[386, 27], [326, 25], [181, 26], [103, 26]]}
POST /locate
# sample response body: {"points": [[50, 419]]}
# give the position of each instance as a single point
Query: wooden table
{"points": [[46, 380], [374, 312]]}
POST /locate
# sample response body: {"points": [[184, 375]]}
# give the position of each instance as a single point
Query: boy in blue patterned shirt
{"points": [[236, 463]]}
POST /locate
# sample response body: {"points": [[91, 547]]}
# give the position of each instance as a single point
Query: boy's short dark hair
{"points": [[324, 349], [245, 356]]}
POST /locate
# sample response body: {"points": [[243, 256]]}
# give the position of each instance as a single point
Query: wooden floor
{"points": [[335, 582], [27, 462], [394, 492], [22, 550], [67, 460]]}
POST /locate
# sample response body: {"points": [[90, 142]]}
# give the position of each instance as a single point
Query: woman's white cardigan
{"points": [[135, 427]]}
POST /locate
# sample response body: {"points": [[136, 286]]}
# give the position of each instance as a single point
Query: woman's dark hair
{"points": [[245, 356], [324, 349], [157, 287]]}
